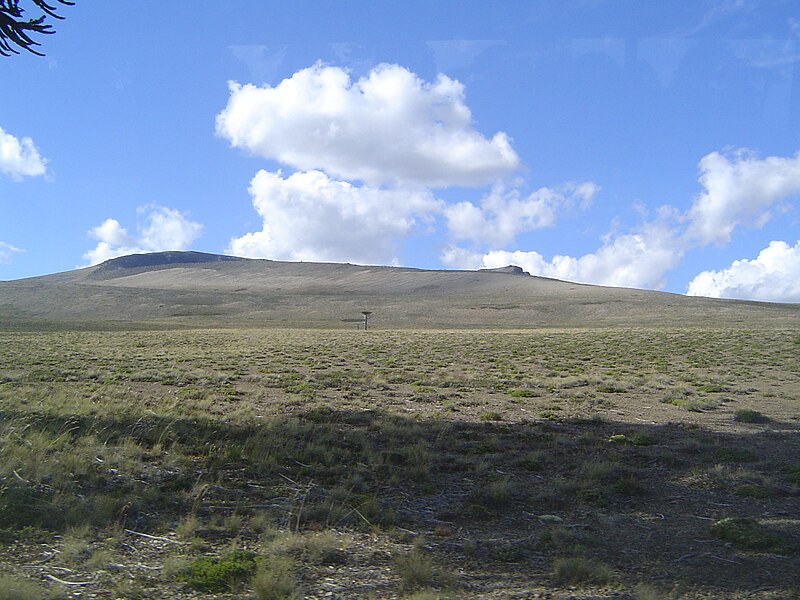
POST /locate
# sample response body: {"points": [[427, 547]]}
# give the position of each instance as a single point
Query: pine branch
{"points": [[15, 30]]}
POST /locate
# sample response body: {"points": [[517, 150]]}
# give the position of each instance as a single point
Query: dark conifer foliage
{"points": [[16, 29]]}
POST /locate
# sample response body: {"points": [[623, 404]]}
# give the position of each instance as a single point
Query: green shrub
{"points": [[493, 495], [550, 415], [611, 388], [509, 553], [628, 485], [712, 388], [746, 415], [534, 460], [639, 439], [748, 533], [793, 474], [23, 506], [219, 574], [491, 415], [578, 569], [750, 490], [524, 393], [736, 455], [642, 439]]}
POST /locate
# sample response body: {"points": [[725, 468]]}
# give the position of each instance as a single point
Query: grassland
{"points": [[645, 464]]}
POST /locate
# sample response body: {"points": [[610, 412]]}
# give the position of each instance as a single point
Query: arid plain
{"points": [[190, 426]]}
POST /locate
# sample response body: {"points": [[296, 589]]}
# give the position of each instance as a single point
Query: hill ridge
{"points": [[203, 289], [156, 260]]}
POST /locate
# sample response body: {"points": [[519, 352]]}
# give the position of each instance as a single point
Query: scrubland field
{"points": [[651, 463]]}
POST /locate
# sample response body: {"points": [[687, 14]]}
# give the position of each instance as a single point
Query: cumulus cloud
{"points": [[160, 228], [6, 251], [739, 188], [20, 158], [309, 216], [639, 259], [399, 137], [504, 214], [387, 127], [773, 276], [462, 258]]}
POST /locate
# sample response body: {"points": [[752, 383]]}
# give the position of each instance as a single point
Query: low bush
{"points": [[578, 569], [751, 490], [748, 533], [18, 589], [275, 579], [735, 455], [219, 574], [793, 474], [524, 393], [417, 571], [746, 415], [712, 388]]}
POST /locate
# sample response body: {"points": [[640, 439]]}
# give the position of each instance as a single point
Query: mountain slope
{"points": [[198, 288]]}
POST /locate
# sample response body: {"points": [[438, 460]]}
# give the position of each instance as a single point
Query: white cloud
{"points": [[403, 136], [774, 276], [163, 229], [112, 233], [388, 127], [166, 229], [639, 260], [113, 241], [19, 158], [462, 258], [6, 251], [504, 214], [308, 216], [739, 189]]}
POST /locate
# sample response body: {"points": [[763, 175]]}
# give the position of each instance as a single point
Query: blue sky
{"points": [[641, 144]]}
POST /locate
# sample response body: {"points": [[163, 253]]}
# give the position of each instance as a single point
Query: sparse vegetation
{"points": [[275, 580], [646, 591], [283, 463], [18, 589], [418, 571]]}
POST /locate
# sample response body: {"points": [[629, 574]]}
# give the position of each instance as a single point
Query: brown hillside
{"points": [[191, 287]]}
